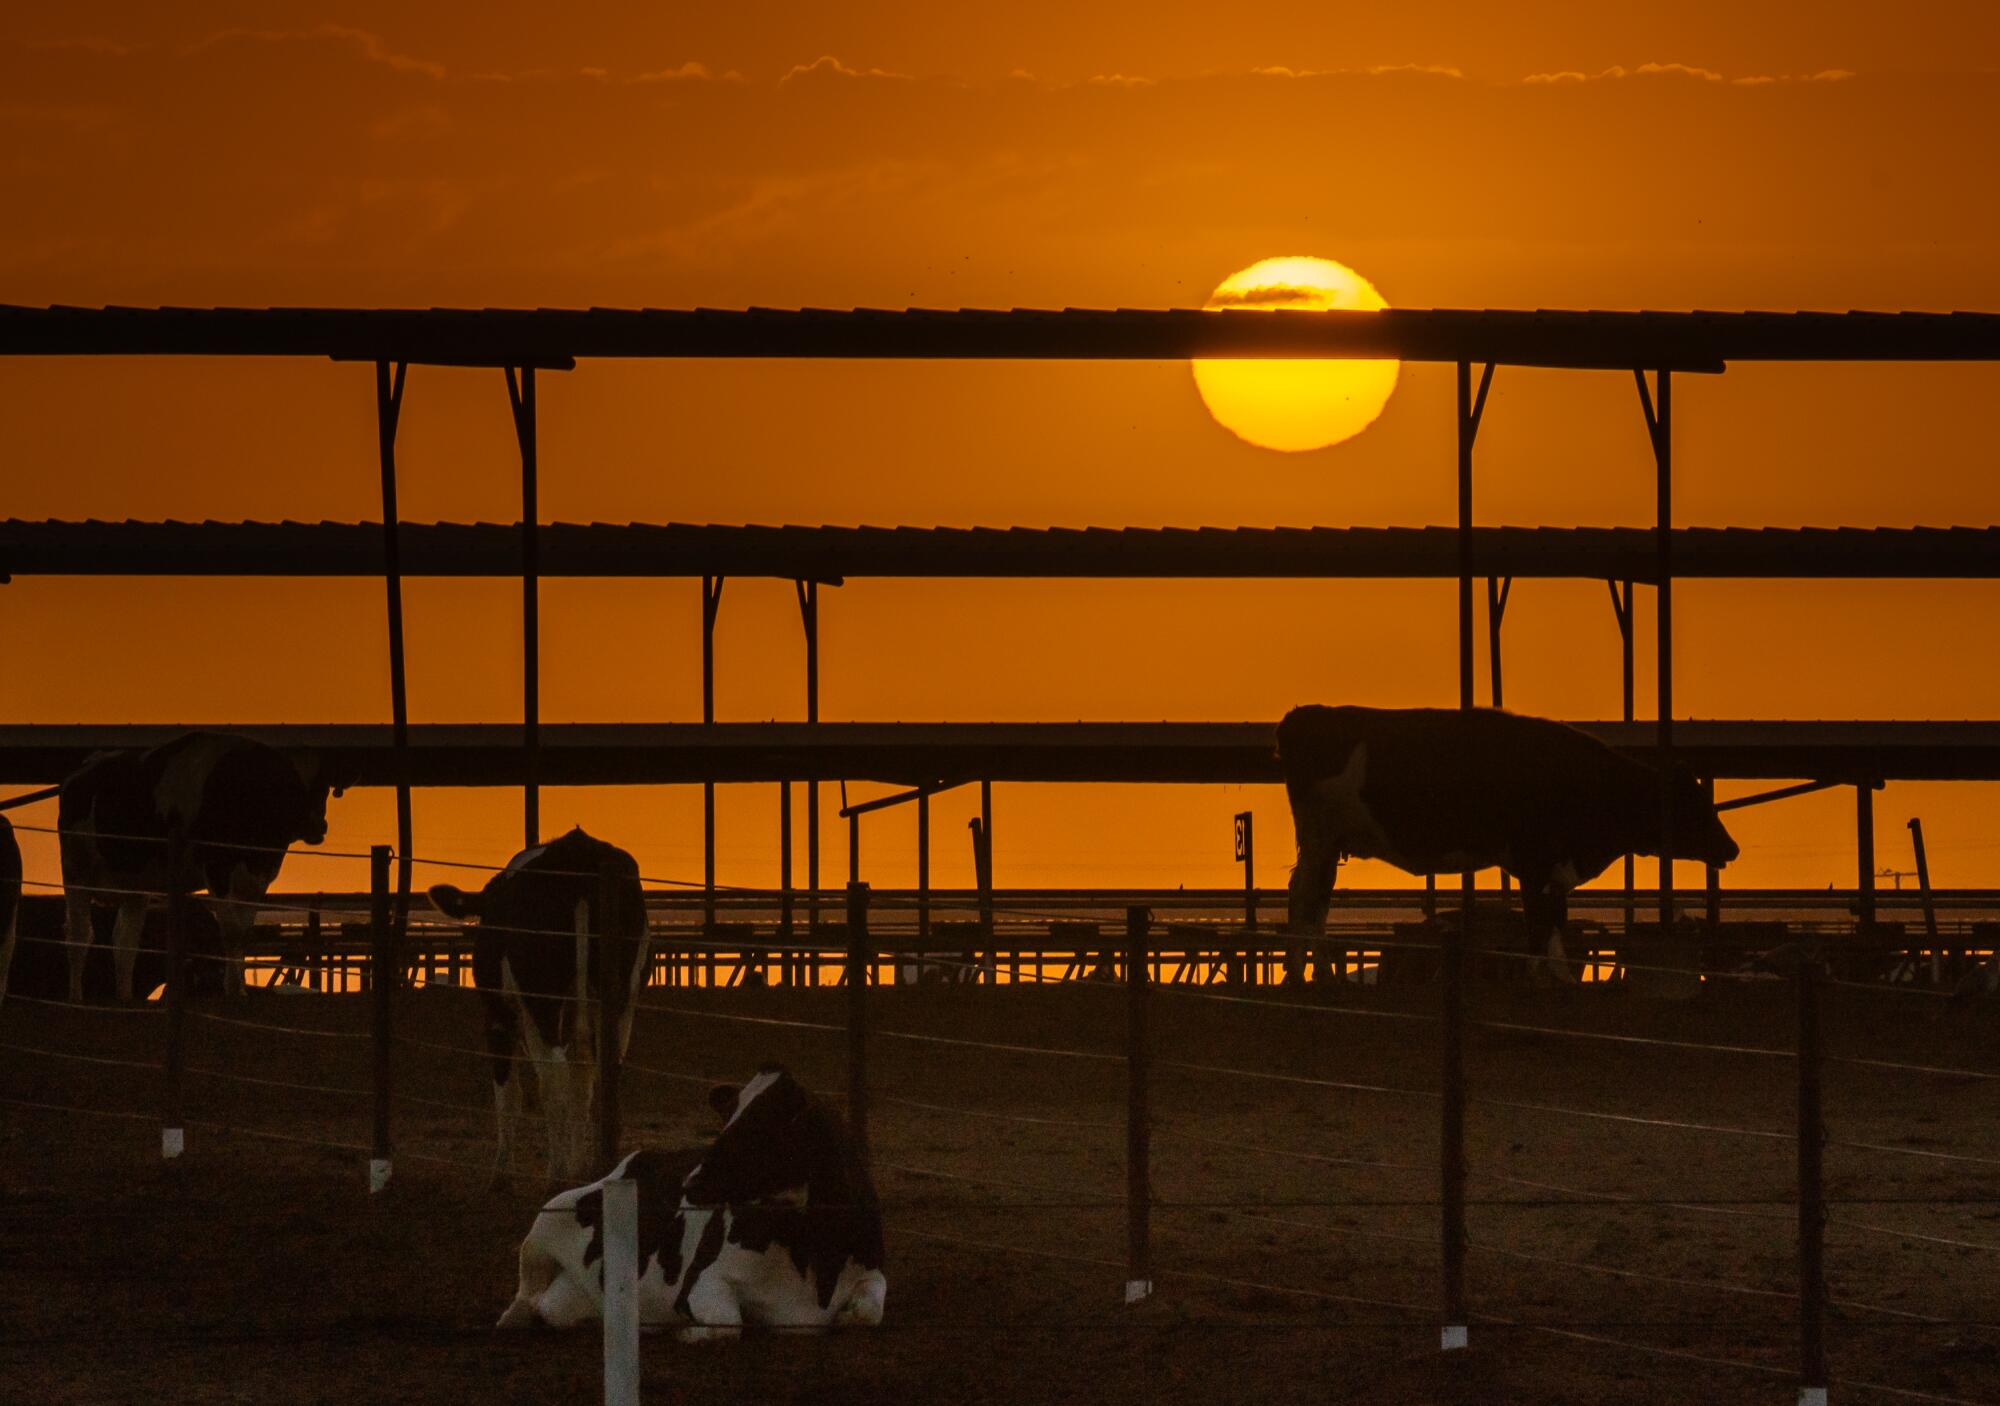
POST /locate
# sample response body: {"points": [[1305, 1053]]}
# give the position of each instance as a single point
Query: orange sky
{"points": [[1582, 156]]}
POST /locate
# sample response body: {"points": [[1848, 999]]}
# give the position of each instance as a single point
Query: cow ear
{"points": [[453, 901], [722, 1098]]}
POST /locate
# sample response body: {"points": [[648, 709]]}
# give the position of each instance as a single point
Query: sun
{"points": [[1288, 404]]}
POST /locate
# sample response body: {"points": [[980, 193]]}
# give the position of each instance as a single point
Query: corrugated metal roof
{"points": [[827, 553], [609, 754], [556, 337]]}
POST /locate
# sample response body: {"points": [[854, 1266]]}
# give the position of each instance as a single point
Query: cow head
{"points": [[1698, 831], [766, 1144], [320, 777]]}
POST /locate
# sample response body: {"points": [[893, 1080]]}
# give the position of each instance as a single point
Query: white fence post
{"points": [[621, 1292]]}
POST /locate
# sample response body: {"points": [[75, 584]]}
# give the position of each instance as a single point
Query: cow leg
{"points": [[715, 1309], [237, 918], [539, 1269], [78, 936], [7, 951], [865, 1304], [1559, 959], [125, 937], [632, 990], [1311, 890], [508, 1112], [551, 1071]]}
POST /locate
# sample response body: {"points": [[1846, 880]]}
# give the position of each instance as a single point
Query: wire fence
{"points": [[1133, 970]]}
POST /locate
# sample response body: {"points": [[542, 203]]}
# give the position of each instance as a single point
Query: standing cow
{"points": [[207, 810], [1442, 791], [775, 1223], [532, 966]]}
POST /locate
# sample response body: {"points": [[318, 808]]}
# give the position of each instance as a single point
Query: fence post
{"points": [[1451, 1156], [1138, 1120], [173, 1131], [1812, 1193], [611, 977], [859, 959], [621, 1292], [382, 971]]}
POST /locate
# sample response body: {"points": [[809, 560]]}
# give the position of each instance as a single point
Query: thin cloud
{"points": [[1266, 295], [828, 66], [1682, 70], [370, 45]]}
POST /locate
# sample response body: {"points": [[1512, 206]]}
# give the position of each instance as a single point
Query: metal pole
{"points": [[1661, 425], [612, 973], [809, 611], [1812, 1194], [521, 396], [785, 860], [1249, 872], [924, 871], [853, 848], [1864, 854], [1451, 1126], [1622, 603], [1497, 591], [1138, 1118], [1924, 891], [388, 412], [859, 960], [986, 854], [621, 1292], [1712, 876], [381, 985], [711, 604], [173, 1128]]}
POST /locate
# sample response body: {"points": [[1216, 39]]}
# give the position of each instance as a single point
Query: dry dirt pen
{"points": [[1631, 1198]]}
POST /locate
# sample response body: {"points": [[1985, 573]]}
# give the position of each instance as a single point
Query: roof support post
{"points": [[388, 414], [1451, 1161], [808, 592], [1864, 855], [1658, 406], [521, 399], [711, 606], [1498, 588], [1621, 606]]}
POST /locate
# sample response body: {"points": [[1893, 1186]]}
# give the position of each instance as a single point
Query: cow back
{"points": [[528, 922]]}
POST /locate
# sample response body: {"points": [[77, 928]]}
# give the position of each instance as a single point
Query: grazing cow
{"points": [[533, 970], [1441, 791], [205, 811], [775, 1223], [10, 898]]}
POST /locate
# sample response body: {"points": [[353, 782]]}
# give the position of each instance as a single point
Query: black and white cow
{"points": [[774, 1223], [10, 898], [228, 806], [533, 971], [1442, 791]]}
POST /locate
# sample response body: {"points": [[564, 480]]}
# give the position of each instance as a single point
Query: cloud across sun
{"points": [[1295, 406]]}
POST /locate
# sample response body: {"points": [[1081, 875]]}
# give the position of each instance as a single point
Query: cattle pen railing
{"points": [[1137, 962], [322, 941]]}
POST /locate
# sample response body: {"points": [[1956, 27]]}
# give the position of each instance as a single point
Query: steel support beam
{"points": [[808, 593], [1658, 406], [388, 414], [1471, 408], [711, 605], [521, 400]]}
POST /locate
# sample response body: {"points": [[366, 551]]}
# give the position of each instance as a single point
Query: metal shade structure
{"points": [[557, 338], [336, 549]]}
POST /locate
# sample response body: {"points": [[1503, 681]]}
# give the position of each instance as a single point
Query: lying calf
{"points": [[775, 1223]]}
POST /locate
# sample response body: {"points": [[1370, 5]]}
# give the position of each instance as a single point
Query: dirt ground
{"points": [[260, 1270]]}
